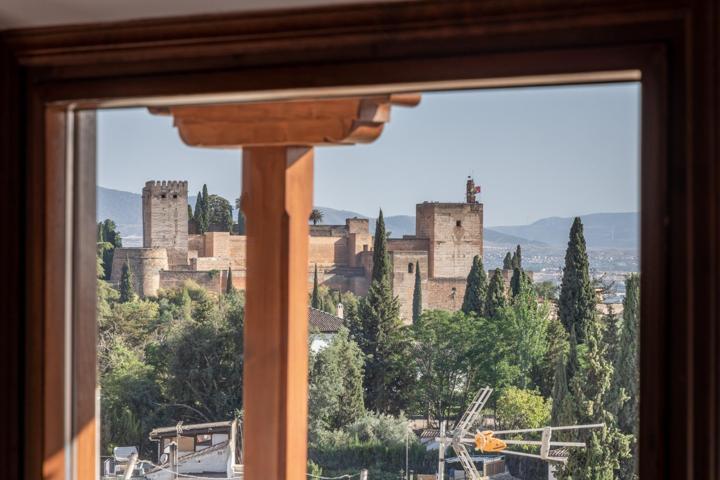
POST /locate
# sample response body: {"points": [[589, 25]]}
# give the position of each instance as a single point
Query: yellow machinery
{"points": [[487, 443]]}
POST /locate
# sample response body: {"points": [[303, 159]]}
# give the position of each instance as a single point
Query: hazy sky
{"points": [[537, 152]]}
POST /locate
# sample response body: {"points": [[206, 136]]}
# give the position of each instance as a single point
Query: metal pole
{"points": [[407, 446], [174, 459], [441, 455], [132, 461]]}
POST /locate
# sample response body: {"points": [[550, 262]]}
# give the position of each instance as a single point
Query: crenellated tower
{"points": [[165, 218]]}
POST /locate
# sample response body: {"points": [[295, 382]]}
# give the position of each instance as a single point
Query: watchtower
{"points": [[165, 218], [454, 232]]}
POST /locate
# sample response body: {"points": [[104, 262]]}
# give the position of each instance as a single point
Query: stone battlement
{"points": [[166, 183]]}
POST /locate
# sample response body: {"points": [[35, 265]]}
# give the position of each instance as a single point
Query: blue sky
{"points": [[537, 152]]}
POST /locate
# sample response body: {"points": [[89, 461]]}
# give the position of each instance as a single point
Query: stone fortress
{"points": [[447, 237]]}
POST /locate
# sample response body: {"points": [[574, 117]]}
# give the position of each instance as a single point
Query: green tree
{"points": [[127, 292], [507, 262], [518, 281], [387, 348], [556, 342], [417, 295], [626, 380], [546, 290], [205, 359], [517, 258], [336, 384], [563, 404], [109, 239], [517, 408], [229, 284], [577, 299], [495, 300], [316, 216], [315, 298], [475, 289], [525, 324], [608, 446], [200, 215], [444, 343], [219, 214], [381, 260], [206, 201], [130, 399]]}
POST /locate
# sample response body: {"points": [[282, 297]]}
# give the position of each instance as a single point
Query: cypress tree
{"points": [[606, 447], [495, 300], [507, 262], [577, 298], [573, 363], [517, 258], [100, 233], [229, 284], [198, 215], [205, 209], [626, 381], [417, 295], [475, 289], [381, 260], [562, 412], [389, 370], [127, 293], [315, 301], [516, 282], [190, 212]]}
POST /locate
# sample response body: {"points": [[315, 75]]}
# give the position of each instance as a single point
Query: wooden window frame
{"points": [[49, 73]]}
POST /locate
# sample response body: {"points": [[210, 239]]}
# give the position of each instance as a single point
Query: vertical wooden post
{"points": [[277, 200]]}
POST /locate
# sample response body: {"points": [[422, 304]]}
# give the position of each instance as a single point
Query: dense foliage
{"points": [[179, 356]]}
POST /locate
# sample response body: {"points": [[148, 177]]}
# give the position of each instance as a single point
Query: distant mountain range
{"points": [[602, 230]]}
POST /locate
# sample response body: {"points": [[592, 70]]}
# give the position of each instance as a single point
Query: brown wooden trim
{"points": [[675, 44], [84, 294], [301, 30], [55, 302]]}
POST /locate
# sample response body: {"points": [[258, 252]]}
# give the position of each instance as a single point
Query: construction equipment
{"points": [[487, 442]]}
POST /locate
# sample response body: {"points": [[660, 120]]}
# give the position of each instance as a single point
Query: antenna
{"points": [[487, 442]]}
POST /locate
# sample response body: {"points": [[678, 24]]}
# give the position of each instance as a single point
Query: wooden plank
{"points": [[54, 285], [277, 200], [84, 296]]}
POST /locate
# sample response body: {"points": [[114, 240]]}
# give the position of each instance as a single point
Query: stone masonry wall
{"points": [[455, 233], [165, 218], [211, 281], [404, 280], [145, 265]]}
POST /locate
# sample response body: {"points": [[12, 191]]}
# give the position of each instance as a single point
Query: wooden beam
{"points": [[277, 200], [307, 122]]}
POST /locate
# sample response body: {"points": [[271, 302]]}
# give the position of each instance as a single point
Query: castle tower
{"points": [[165, 218], [454, 232]]}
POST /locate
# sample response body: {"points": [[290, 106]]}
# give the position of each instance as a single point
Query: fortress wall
{"points": [[404, 280], [171, 280], [205, 264], [217, 244], [196, 243], [328, 251], [440, 293], [407, 244], [357, 242], [238, 249], [358, 225], [455, 231], [145, 265], [165, 218]]}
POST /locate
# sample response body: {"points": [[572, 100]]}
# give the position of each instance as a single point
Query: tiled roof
{"points": [[323, 322]]}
